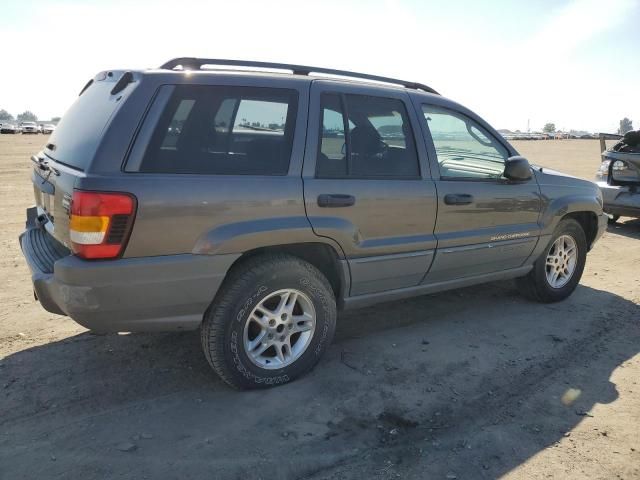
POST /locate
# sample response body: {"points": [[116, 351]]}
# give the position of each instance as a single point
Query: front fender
{"points": [[557, 208]]}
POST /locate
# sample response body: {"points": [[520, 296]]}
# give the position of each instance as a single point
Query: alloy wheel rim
{"points": [[561, 261], [279, 329]]}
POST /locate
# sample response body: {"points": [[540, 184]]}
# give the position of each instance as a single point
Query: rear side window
{"points": [[365, 137], [223, 130]]}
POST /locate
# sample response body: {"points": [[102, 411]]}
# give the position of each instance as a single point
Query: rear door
{"points": [[485, 223], [367, 186]]}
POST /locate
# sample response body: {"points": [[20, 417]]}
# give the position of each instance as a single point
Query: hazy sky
{"points": [[575, 63]]}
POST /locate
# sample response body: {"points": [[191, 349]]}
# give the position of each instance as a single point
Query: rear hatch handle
{"points": [[44, 166]]}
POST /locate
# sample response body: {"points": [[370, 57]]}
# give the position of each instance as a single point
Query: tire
{"points": [[612, 219], [251, 289], [536, 284]]}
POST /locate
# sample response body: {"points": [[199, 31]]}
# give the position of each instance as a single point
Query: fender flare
{"points": [[241, 237]]}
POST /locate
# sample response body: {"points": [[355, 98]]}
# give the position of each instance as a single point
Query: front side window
{"points": [[365, 137], [464, 149], [224, 131]]}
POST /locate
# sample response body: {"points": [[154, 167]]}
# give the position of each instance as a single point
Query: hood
{"points": [[547, 176], [550, 171]]}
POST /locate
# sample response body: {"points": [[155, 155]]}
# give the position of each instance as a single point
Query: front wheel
{"points": [[270, 323], [558, 270]]}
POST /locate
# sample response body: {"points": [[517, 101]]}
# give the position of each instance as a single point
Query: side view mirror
{"points": [[517, 168], [623, 173]]}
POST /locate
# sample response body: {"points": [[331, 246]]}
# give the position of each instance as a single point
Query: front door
{"points": [[367, 186], [485, 223]]}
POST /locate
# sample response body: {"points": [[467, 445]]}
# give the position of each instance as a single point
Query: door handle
{"points": [[458, 199], [333, 200]]}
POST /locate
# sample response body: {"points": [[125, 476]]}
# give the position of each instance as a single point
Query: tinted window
{"points": [[225, 131], [464, 149], [75, 140], [378, 141]]}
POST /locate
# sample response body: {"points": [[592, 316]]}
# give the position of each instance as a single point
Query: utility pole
{"points": [[528, 128]]}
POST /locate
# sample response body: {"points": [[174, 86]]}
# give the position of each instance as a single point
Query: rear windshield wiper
{"points": [[43, 165]]}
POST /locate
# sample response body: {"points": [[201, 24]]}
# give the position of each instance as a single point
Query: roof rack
{"points": [[197, 63]]}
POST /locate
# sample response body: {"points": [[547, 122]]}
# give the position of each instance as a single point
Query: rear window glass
{"points": [[224, 130], [378, 142], [76, 138]]}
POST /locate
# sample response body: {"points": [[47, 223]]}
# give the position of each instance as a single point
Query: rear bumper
{"points": [[620, 200], [622, 211], [125, 295]]}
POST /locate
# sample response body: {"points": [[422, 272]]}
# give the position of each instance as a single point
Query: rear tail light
{"points": [[100, 223]]}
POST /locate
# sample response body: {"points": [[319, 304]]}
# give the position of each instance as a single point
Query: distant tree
{"points": [[55, 119], [549, 128], [626, 125], [4, 115], [27, 116]]}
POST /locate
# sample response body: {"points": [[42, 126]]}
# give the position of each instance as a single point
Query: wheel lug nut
{"points": [[270, 336], [290, 326], [283, 316], [272, 322]]}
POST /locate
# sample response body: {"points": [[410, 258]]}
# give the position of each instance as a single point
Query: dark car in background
{"points": [[9, 128], [255, 205]]}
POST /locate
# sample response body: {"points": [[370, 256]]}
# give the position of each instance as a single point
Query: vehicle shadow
{"points": [[626, 227], [468, 381]]}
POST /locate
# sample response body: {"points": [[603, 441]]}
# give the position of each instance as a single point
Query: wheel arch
{"points": [[588, 220], [325, 257], [582, 208]]}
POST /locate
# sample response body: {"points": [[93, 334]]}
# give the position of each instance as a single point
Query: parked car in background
{"points": [[48, 128], [9, 128], [619, 178], [29, 127], [255, 221]]}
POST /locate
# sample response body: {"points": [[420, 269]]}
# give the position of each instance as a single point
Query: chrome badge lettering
{"points": [[510, 236]]}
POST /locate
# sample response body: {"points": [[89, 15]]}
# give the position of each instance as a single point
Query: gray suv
{"points": [[254, 205]]}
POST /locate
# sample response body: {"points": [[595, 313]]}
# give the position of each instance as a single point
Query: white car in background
{"points": [[29, 127], [48, 128]]}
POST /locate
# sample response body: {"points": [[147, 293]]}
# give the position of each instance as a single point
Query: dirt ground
{"points": [[469, 384]]}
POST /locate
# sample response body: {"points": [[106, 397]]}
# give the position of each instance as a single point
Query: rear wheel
{"points": [[270, 323], [558, 270]]}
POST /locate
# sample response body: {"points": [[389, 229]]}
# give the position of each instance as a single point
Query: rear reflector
{"points": [[100, 223]]}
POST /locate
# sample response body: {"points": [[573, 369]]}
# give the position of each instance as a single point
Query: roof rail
{"points": [[197, 63]]}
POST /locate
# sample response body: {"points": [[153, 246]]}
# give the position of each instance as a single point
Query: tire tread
{"points": [[241, 278]]}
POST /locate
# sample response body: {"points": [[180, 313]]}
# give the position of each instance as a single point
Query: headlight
{"points": [[620, 166], [604, 167]]}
